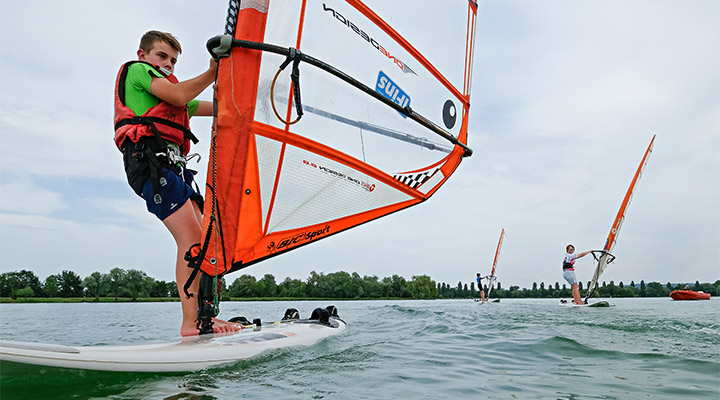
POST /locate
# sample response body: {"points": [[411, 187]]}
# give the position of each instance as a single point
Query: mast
{"points": [[491, 281], [606, 257]]}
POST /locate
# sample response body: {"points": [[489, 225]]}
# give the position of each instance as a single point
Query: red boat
{"points": [[689, 295]]}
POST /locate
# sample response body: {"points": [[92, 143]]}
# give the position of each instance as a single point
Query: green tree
{"points": [[51, 288], [244, 286], [266, 286], [565, 291], [95, 285], [317, 285], [19, 280], [372, 287], [398, 286], [342, 285], [292, 288], [443, 289], [173, 289], [162, 289], [24, 293], [137, 283], [655, 289], [422, 287], [70, 284], [610, 290], [116, 281]]}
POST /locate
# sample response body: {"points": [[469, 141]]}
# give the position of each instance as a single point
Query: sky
{"points": [[566, 97]]}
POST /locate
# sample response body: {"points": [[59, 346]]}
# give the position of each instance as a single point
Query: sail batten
{"points": [[606, 256]]}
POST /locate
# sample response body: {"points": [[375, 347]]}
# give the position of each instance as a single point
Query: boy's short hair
{"points": [[150, 37]]}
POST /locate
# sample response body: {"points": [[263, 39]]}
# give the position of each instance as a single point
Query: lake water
{"points": [[442, 349]]}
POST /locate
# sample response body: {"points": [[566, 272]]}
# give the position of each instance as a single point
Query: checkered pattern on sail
{"points": [[415, 179]]}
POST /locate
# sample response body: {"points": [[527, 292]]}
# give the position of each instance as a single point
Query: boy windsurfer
{"points": [[152, 111]]}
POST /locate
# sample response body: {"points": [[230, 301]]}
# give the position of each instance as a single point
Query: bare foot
{"points": [[219, 326], [224, 326]]}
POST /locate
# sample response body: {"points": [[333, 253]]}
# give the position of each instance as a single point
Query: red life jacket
{"points": [[170, 122]]}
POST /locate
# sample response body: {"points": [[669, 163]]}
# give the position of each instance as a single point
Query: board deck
{"points": [[188, 354], [601, 303]]}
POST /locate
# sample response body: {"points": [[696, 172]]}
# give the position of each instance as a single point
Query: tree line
{"points": [[135, 284]]}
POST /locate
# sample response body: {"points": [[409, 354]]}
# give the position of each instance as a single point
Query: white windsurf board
{"points": [[188, 354]]}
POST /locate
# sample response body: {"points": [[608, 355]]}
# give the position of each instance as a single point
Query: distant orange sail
{"points": [[612, 236], [373, 121], [497, 254], [606, 257]]}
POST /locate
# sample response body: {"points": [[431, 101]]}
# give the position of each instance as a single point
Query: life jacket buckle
{"points": [[136, 120], [174, 156]]}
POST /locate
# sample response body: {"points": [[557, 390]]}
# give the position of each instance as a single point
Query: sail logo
{"points": [[327, 170], [295, 240], [386, 87], [404, 67]]}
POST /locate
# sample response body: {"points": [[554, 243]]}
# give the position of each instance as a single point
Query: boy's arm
{"points": [[179, 94], [205, 109]]}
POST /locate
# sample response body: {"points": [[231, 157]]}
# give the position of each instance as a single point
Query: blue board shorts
{"points": [[175, 189], [569, 276]]}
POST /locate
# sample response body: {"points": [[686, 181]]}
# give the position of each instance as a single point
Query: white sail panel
{"points": [[313, 189]]}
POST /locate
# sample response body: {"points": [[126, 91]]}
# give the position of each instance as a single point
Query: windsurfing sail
{"points": [[370, 118], [492, 278], [605, 257]]}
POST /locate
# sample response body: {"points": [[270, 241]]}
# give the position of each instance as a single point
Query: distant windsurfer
{"points": [[569, 271], [479, 280], [152, 129]]}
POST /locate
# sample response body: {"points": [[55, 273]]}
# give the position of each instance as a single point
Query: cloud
{"points": [[30, 199]]}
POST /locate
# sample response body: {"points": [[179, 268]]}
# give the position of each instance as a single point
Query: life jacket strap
{"points": [[150, 121]]}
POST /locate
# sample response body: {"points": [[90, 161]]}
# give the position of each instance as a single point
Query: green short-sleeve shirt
{"points": [[138, 96]]}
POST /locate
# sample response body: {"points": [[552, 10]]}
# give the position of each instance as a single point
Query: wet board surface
{"points": [[187, 354], [599, 304]]}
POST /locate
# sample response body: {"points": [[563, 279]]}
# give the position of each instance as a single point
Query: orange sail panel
{"points": [[491, 281], [605, 258], [497, 253], [274, 186], [612, 236]]}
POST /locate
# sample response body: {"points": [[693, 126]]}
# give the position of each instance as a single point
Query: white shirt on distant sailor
{"points": [[570, 258], [569, 271]]}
